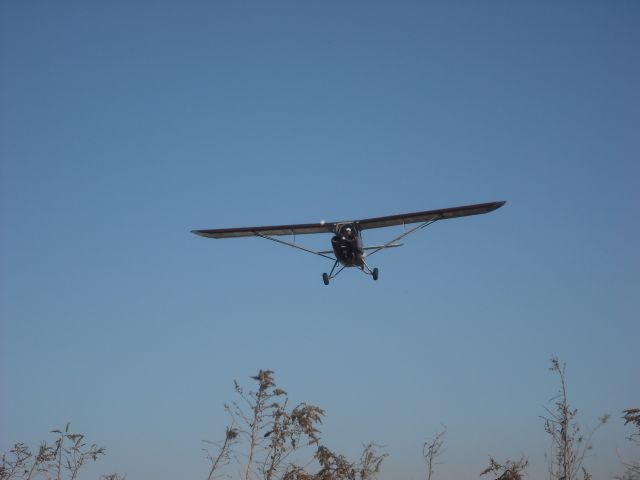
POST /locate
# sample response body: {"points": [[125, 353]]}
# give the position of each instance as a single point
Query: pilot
{"points": [[349, 239], [348, 234]]}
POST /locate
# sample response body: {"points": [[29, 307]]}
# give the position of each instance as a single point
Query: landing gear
{"points": [[374, 272]]}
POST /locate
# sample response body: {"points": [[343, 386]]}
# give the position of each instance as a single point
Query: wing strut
{"points": [[268, 237], [404, 234]]}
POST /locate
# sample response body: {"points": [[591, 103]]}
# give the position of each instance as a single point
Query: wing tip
{"points": [[493, 206], [200, 233]]}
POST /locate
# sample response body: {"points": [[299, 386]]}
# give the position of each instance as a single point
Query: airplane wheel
{"points": [[325, 278], [375, 273]]}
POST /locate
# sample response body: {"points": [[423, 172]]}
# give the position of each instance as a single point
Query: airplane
{"points": [[348, 249]]}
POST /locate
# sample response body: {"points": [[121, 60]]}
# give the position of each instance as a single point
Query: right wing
{"points": [[294, 229]]}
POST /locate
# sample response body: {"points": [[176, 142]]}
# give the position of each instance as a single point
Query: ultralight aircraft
{"points": [[347, 246]]}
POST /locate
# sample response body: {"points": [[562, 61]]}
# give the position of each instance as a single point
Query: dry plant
{"points": [[370, 462], [61, 460], [22, 463], [222, 457], [337, 467], [272, 432], [510, 470], [632, 416], [568, 444], [432, 449], [632, 468], [270, 428], [289, 431]]}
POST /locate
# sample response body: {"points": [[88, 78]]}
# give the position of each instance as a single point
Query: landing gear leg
{"points": [[326, 278], [367, 269]]}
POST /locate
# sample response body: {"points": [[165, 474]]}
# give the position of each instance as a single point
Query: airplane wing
{"points": [[428, 215], [295, 229], [329, 227]]}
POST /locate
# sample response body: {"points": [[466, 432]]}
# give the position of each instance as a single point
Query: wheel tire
{"points": [[375, 273], [325, 278]]}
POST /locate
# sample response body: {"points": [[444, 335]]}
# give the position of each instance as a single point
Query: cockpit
{"points": [[348, 229]]}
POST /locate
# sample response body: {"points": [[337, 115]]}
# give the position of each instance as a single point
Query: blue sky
{"points": [[124, 125]]}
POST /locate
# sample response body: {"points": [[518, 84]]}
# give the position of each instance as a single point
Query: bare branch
{"points": [[431, 450], [569, 445], [223, 455]]}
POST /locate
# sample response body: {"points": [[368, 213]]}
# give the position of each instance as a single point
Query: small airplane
{"points": [[347, 246]]}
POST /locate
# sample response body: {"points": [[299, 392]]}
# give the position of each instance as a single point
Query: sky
{"points": [[124, 125]]}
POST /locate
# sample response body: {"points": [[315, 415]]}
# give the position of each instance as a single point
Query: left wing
{"points": [[429, 215]]}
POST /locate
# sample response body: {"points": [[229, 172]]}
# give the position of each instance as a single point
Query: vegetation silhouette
{"points": [[267, 439], [632, 468], [432, 449], [569, 444]]}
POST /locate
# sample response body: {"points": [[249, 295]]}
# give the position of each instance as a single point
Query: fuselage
{"points": [[347, 245]]}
